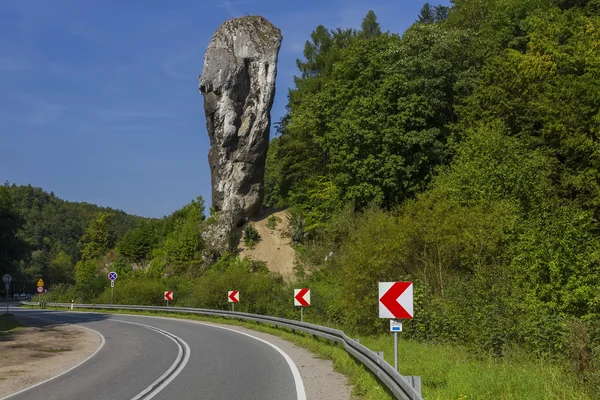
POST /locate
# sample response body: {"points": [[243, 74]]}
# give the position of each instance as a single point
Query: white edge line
{"points": [[102, 342], [300, 391]]}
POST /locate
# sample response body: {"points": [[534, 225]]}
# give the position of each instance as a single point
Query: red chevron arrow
{"points": [[390, 299], [300, 297], [234, 297], [169, 296]]}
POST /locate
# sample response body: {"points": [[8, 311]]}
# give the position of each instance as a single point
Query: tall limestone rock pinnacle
{"points": [[238, 85]]}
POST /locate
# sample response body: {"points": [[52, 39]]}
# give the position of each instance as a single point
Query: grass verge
{"points": [[8, 324], [453, 372], [447, 371]]}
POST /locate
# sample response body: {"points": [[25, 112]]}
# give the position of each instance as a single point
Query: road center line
{"points": [[182, 359], [300, 391]]}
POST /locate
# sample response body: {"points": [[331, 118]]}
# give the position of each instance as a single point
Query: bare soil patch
{"points": [[38, 351], [275, 246]]}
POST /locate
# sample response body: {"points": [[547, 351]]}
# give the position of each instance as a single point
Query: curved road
{"points": [[144, 358]]}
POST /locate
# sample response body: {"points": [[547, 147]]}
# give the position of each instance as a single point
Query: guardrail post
{"points": [[415, 381], [380, 354]]}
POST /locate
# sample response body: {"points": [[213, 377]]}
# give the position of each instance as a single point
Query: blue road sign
{"points": [[112, 276]]}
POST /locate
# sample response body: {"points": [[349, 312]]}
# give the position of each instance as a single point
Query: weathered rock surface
{"points": [[238, 85]]}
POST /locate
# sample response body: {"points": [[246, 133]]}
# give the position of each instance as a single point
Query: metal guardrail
{"points": [[396, 383]]}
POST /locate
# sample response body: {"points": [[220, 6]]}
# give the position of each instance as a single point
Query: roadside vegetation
{"points": [[8, 324], [251, 235], [462, 154], [448, 372]]}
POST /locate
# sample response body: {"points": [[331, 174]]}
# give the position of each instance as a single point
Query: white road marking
{"points": [[159, 384], [102, 342], [300, 391]]}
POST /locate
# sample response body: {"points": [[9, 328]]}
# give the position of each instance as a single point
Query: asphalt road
{"points": [[164, 359]]}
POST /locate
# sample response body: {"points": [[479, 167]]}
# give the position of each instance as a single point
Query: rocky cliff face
{"points": [[238, 85]]}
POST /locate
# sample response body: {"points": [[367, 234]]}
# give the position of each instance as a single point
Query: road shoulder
{"points": [[39, 351]]}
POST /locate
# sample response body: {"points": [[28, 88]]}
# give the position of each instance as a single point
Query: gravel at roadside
{"points": [[40, 351]]}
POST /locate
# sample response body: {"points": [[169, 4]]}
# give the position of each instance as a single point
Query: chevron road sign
{"points": [[396, 300], [302, 297], [233, 296]]}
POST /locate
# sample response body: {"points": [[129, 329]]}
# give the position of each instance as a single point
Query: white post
{"points": [[301, 314], [72, 303], [396, 351], [232, 307]]}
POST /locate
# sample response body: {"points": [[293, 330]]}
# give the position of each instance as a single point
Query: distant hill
{"points": [[53, 228]]}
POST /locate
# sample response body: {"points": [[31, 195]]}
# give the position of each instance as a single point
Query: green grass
{"points": [[447, 371], [452, 372], [8, 324]]}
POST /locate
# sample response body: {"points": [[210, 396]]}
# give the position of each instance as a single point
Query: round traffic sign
{"points": [[6, 278], [112, 276], [40, 289]]}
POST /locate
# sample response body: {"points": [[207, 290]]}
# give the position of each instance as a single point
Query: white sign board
{"points": [[396, 300], [395, 326], [302, 297], [233, 296]]}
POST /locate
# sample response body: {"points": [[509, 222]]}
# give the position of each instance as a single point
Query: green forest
{"points": [[462, 154]]}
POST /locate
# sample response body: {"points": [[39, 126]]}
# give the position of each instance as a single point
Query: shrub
{"points": [[251, 236], [272, 222]]}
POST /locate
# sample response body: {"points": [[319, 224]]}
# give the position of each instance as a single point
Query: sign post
{"points": [[113, 277], [302, 299], [6, 278], [40, 290], [233, 296], [168, 297], [396, 302]]}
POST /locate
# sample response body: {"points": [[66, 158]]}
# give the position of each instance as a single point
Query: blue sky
{"points": [[99, 98]]}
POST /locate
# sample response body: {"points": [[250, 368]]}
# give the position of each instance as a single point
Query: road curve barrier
{"points": [[397, 384]]}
